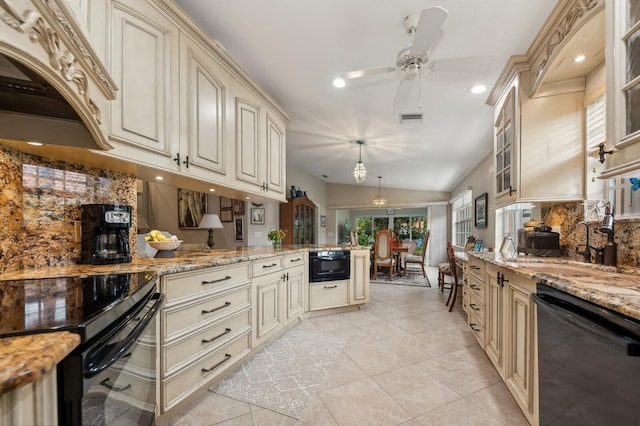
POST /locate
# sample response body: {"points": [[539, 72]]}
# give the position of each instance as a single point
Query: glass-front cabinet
{"points": [[623, 83], [297, 219], [504, 128]]}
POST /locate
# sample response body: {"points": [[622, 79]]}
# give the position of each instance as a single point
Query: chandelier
{"points": [[379, 201], [359, 171]]}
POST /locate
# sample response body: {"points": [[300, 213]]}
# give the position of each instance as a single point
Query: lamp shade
{"points": [[210, 221]]}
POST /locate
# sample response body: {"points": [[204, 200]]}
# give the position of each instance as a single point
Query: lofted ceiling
{"points": [[295, 48]]}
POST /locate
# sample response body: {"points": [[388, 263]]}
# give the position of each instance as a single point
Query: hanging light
{"points": [[379, 201], [359, 171]]}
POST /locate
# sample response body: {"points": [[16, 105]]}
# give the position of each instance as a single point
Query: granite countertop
{"points": [[24, 359], [615, 288]]}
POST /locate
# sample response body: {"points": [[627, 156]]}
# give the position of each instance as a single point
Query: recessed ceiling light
{"points": [[478, 88], [248, 198], [159, 178], [579, 58], [339, 82], [35, 143], [212, 190]]}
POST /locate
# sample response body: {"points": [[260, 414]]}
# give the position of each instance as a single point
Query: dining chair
{"points": [[419, 259], [383, 253], [455, 282]]}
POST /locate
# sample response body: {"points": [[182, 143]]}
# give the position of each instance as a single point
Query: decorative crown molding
{"points": [[35, 27]]}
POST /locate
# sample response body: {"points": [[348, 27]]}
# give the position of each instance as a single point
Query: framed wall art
{"points": [[238, 207], [226, 215], [257, 216], [239, 229], [192, 206], [225, 203], [323, 221], [480, 211]]}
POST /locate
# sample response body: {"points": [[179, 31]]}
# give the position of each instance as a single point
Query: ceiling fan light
{"points": [[339, 82], [359, 172]]}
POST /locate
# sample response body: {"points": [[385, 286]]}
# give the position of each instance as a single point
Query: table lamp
{"points": [[210, 222]]}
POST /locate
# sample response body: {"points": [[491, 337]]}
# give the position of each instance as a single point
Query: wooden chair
{"points": [[455, 283], [383, 253], [418, 258]]}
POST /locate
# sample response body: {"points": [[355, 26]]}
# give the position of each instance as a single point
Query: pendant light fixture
{"points": [[379, 201], [359, 171]]}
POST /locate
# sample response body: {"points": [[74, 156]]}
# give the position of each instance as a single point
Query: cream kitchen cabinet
{"points": [[510, 334], [205, 329], [31, 404], [295, 286], [260, 144], [476, 298], [359, 280], [539, 141], [267, 284]]}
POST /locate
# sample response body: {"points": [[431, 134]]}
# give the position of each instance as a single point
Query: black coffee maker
{"points": [[105, 234]]}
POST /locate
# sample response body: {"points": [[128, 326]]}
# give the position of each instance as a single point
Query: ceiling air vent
{"points": [[414, 117]]}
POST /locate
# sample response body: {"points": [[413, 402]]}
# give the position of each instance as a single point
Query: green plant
{"points": [[363, 239], [276, 235]]}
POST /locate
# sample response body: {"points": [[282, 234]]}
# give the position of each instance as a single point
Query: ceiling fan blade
{"points": [[429, 25], [404, 91], [364, 73], [475, 64]]}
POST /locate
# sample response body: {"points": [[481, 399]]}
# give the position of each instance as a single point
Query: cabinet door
{"points": [[203, 104], [144, 65], [519, 359], [494, 320], [268, 308], [359, 280], [505, 139], [247, 141], [295, 286], [275, 156]]}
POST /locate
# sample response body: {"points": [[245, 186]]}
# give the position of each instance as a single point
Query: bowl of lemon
{"points": [[165, 245]]}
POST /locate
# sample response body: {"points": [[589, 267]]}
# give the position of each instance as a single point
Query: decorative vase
{"points": [[292, 192], [298, 193], [277, 244]]}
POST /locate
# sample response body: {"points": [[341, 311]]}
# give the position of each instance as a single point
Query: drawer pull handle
{"points": [[473, 286], [204, 311], [269, 266], [296, 260], [226, 331], [331, 286], [475, 267], [108, 385], [473, 306], [226, 278], [227, 357], [473, 328]]}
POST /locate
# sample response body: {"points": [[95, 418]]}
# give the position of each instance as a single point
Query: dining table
{"points": [[397, 254]]}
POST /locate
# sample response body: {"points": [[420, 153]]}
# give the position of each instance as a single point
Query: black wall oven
{"points": [[110, 377], [329, 265]]}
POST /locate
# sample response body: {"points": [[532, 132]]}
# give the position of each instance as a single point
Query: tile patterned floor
{"points": [[407, 361]]}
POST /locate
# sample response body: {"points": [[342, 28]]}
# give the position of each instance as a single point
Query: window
{"points": [[462, 209], [406, 227]]}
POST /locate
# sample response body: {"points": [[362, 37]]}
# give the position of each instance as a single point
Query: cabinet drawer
{"points": [[476, 268], [204, 340], [292, 260], [476, 328], [267, 266], [329, 295], [477, 307], [205, 281], [203, 371], [476, 288], [183, 318]]}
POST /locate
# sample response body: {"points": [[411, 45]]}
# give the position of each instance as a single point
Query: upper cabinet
{"points": [[185, 107], [539, 109], [623, 82]]}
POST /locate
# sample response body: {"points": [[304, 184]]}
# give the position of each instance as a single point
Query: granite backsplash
{"points": [[40, 201]]}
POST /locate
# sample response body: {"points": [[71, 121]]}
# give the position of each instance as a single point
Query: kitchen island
{"points": [[266, 289]]}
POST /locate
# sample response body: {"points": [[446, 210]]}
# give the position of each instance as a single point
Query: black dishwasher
{"points": [[588, 362]]}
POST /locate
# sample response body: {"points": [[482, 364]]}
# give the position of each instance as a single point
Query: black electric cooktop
{"points": [[85, 304]]}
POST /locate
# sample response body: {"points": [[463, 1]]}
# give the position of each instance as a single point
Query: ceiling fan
{"points": [[415, 57]]}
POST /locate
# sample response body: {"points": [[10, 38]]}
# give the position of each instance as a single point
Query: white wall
{"points": [[480, 180]]}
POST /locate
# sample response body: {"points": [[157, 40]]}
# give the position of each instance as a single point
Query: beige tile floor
{"points": [[407, 361]]}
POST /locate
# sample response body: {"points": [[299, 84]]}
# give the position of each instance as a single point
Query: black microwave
{"points": [[329, 265]]}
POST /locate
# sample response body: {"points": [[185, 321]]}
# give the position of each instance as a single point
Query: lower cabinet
{"points": [[330, 294], [510, 334], [268, 307], [359, 281], [32, 404]]}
